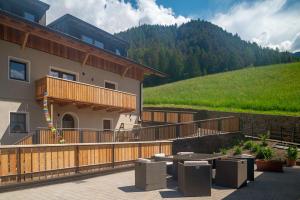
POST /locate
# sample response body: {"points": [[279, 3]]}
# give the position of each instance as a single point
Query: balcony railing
{"points": [[81, 94]]}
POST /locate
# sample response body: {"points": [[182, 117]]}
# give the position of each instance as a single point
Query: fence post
{"points": [[160, 147], [113, 156], [140, 150], [18, 164], [76, 155], [177, 131], [98, 136], [165, 117], [152, 116], [219, 125], [156, 133], [80, 136]]}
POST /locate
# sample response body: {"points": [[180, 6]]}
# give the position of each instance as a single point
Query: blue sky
{"points": [[270, 23]]}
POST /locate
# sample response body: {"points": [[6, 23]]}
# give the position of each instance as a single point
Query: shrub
{"points": [[255, 148], [265, 153], [237, 150], [248, 145], [292, 153], [263, 139], [223, 151]]}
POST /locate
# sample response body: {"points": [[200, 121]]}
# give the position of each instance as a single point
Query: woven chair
{"points": [[231, 173], [250, 165], [150, 175], [194, 178]]}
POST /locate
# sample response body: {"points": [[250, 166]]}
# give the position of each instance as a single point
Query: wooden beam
{"points": [[125, 71], [81, 106], [97, 108], [25, 40], [113, 109], [85, 58]]}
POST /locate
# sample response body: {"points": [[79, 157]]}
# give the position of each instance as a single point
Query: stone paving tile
{"points": [[120, 186]]}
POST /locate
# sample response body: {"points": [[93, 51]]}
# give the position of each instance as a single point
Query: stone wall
{"points": [[206, 144]]}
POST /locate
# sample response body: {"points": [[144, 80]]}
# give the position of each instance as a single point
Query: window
{"points": [[99, 44], [110, 85], [87, 39], [18, 123], [118, 52], [63, 75], [18, 70], [68, 121], [29, 16], [107, 124]]}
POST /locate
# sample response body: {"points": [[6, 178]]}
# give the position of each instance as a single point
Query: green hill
{"points": [[196, 48], [273, 89]]}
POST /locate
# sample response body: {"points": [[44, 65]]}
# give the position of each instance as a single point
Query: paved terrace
{"points": [[120, 186]]}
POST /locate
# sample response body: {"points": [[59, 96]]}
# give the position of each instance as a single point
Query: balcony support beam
{"points": [[125, 71], [26, 35], [85, 58]]}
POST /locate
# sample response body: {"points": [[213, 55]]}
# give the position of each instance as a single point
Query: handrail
{"points": [[81, 83], [138, 128]]}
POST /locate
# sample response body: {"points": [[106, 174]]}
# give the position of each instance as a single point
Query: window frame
{"points": [[22, 61], [111, 124], [111, 82], [27, 122], [64, 71]]}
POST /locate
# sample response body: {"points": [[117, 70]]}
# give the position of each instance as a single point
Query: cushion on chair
{"points": [[195, 163], [184, 153], [143, 160], [160, 155]]}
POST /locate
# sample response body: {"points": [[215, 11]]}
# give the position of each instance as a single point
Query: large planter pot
{"points": [[269, 165], [290, 163]]}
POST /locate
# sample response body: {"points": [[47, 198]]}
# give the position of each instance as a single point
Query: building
{"points": [[83, 73]]}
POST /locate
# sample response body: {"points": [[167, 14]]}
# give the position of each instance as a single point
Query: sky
{"points": [[269, 23]]}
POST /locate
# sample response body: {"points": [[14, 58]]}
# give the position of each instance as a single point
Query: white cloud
{"points": [[114, 15], [264, 22]]}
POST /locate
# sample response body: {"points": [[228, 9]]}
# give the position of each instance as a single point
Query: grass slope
{"points": [[273, 89]]}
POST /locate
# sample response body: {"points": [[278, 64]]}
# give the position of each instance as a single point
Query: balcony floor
{"points": [[121, 186]]}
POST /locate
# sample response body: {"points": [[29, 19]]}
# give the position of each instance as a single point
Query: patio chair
{"points": [[250, 165], [231, 173], [150, 175], [194, 178], [167, 159]]}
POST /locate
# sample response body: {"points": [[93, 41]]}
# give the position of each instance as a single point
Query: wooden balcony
{"points": [[83, 95]]}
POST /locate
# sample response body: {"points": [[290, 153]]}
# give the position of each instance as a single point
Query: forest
{"points": [[196, 48]]}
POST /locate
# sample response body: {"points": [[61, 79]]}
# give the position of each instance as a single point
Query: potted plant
{"points": [[292, 155], [264, 161]]}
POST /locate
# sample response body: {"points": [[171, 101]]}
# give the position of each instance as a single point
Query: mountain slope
{"points": [[194, 49], [274, 88]]}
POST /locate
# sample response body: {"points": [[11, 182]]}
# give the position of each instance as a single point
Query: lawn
{"points": [[273, 89]]}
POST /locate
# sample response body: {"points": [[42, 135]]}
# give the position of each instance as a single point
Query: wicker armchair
{"points": [[231, 173], [194, 178], [150, 175]]}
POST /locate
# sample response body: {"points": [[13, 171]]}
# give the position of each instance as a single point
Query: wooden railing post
{"points": [[177, 131], [80, 136], [156, 133], [165, 117], [140, 150], [18, 154], [76, 158], [113, 156], [152, 116], [98, 136]]}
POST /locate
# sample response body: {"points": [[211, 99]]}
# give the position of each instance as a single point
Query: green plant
{"points": [[263, 139], [237, 150], [265, 153], [292, 153], [248, 145], [223, 151], [255, 148]]}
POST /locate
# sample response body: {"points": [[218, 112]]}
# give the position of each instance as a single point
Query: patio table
{"points": [[195, 157]]}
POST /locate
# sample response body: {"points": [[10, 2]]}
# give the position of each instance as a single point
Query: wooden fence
{"points": [[150, 133], [23, 163], [168, 116]]}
